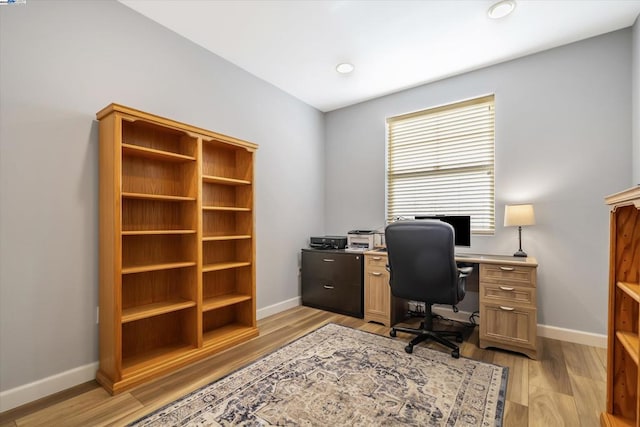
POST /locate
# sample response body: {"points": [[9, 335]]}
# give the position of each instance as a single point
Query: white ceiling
{"points": [[394, 45]]}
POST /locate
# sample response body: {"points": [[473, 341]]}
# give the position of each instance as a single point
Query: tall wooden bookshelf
{"points": [[177, 245], [623, 347]]}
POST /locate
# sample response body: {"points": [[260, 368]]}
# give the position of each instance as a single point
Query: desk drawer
{"points": [[505, 294], [513, 326], [508, 274], [375, 261]]}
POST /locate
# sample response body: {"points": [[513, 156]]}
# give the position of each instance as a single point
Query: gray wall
{"points": [[635, 118], [563, 142], [61, 62]]}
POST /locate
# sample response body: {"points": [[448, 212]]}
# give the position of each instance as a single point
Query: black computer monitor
{"points": [[461, 225]]}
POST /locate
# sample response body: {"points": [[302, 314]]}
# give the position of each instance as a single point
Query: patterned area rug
{"points": [[339, 376]]}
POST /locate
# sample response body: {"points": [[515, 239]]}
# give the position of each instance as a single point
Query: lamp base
{"points": [[520, 253]]}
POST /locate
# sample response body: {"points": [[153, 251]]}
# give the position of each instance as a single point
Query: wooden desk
{"points": [[507, 287]]}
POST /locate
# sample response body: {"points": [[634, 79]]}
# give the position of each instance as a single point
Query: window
{"points": [[441, 161]]}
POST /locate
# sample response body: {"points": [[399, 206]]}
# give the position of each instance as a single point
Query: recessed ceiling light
{"points": [[344, 68], [501, 9]]}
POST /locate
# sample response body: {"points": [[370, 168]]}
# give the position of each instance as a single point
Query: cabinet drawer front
{"points": [[376, 273], [375, 261], [511, 325], [523, 276], [331, 295], [520, 295], [377, 294], [339, 268]]}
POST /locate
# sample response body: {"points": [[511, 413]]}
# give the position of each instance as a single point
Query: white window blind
{"points": [[441, 161]]}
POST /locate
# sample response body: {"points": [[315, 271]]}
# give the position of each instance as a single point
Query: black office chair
{"points": [[422, 267]]}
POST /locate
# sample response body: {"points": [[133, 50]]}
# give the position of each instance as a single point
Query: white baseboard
{"points": [[26, 393], [553, 332], [277, 308], [571, 335]]}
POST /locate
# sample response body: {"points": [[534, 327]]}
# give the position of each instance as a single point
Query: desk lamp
{"points": [[519, 215]]}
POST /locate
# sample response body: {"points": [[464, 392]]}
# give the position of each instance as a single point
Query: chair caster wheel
{"points": [[392, 333], [421, 325], [459, 339], [409, 349], [455, 354]]}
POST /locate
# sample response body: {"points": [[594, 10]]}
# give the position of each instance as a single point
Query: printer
{"points": [[360, 240], [328, 242]]}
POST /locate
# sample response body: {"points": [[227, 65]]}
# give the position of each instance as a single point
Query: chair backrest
{"points": [[422, 262]]}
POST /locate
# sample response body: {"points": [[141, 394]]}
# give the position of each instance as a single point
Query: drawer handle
{"points": [[327, 286], [506, 288], [328, 260], [376, 258], [376, 273], [502, 307], [506, 268]]}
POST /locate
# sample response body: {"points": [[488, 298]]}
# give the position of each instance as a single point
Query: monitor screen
{"points": [[461, 225]]}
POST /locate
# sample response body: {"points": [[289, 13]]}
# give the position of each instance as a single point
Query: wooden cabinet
{"points": [[177, 245], [508, 313], [623, 347], [379, 305], [332, 280]]}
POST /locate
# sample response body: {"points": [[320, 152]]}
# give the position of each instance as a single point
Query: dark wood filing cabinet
{"points": [[332, 280]]}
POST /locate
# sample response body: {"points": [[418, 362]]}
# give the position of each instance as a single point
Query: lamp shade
{"points": [[516, 215]]}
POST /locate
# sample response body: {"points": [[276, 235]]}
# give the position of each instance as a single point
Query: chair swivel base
{"points": [[437, 336]]}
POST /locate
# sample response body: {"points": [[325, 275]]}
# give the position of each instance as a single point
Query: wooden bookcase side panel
{"points": [[110, 249], [198, 247]]}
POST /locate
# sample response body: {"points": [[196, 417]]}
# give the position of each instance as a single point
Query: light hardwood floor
{"points": [[565, 387]]}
